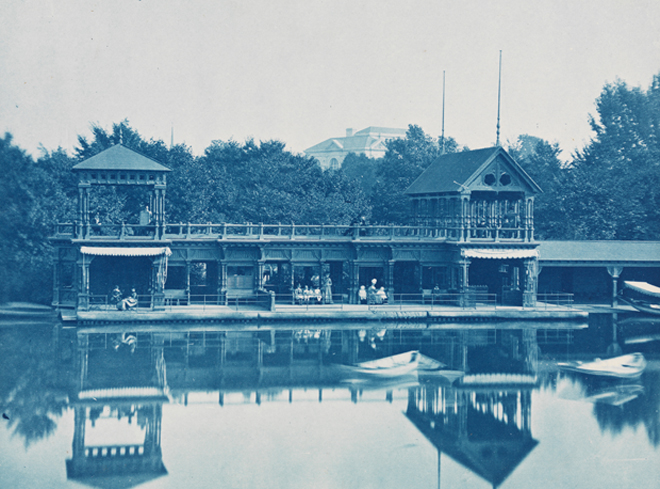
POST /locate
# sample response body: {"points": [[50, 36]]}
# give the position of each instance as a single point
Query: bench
{"points": [[177, 295]]}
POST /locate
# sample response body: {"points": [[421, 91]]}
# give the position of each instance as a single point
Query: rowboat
{"points": [[430, 368], [648, 297], [625, 366], [387, 367], [617, 395]]}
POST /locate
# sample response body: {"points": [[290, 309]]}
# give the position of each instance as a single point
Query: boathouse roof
{"points": [[468, 170], [590, 252], [120, 158]]}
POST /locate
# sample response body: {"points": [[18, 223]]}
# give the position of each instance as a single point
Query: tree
{"points": [[403, 162], [361, 169], [540, 160], [34, 197], [615, 179], [264, 183]]}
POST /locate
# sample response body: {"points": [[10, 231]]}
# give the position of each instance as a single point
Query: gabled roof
{"points": [[505, 453], [454, 171], [120, 158]]}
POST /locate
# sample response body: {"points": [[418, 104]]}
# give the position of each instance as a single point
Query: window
{"points": [[490, 179], [505, 179], [334, 164]]}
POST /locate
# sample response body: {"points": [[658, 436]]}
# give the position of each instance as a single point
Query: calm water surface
{"points": [[230, 406]]}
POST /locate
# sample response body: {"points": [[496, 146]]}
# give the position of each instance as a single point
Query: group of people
{"points": [[372, 295], [123, 303], [314, 296]]}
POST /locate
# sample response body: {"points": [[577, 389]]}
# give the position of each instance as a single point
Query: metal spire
{"points": [[499, 92], [443, 112]]}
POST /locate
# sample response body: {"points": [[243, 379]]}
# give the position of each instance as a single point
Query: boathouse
{"points": [[472, 239]]}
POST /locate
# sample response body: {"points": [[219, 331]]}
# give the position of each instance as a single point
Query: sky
{"points": [[302, 71]]}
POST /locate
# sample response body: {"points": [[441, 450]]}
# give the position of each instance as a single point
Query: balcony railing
{"points": [[244, 231]]}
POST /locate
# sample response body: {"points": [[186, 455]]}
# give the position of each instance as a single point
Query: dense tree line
{"points": [[230, 182], [607, 190]]}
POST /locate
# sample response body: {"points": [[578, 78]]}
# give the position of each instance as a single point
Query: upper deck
{"points": [[248, 231]]}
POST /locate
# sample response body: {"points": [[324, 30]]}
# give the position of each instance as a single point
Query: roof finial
{"points": [[499, 92], [443, 112]]}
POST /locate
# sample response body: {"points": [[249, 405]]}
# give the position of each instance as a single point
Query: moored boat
{"points": [[647, 297], [430, 368], [387, 367], [625, 366]]}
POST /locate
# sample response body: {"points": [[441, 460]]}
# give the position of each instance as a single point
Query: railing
{"points": [[114, 451], [558, 299], [286, 231], [103, 302], [474, 297], [471, 299]]}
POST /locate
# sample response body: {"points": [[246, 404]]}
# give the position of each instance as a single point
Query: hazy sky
{"points": [[305, 70]]}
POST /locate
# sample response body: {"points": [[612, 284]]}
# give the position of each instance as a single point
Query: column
{"points": [[83, 282], [355, 283], [389, 279], [188, 267], [259, 278], [465, 217], [158, 289], [529, 291], [529, 219], [223, 282], [464, 281], [615, 272], [78, 452]]}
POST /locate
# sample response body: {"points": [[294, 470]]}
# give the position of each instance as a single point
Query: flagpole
{"points": [[499, 96], [443, 112]]}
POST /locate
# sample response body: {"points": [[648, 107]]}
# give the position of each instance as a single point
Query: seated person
{"points": [[362, 294], [298, 295], [307, 294], [382, 296], [131, 301], [116, 298]]}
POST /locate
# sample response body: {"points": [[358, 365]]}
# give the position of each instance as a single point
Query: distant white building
{"points": [[370, 142]]}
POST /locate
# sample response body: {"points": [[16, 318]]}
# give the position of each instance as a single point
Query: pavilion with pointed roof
{"points": [[119, 165], [483, 202]]}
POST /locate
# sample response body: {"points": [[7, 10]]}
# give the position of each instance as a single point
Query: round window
{"points": [[505, 179], [490, 179]]}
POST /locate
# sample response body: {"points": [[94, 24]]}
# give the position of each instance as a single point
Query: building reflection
{"points": [[118, 411], [480, 418]]}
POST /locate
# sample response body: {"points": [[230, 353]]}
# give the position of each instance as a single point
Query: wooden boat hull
{"points": [[384, 368], [643, 306], [625, 366]]}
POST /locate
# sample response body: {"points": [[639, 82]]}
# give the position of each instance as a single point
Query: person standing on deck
{"points": [[372, 293], [327, 290]]}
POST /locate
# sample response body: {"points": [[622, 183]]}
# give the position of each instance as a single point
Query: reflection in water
{"points": [[32, 389], [116, 380]]}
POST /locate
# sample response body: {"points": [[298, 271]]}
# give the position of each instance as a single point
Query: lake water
{"points": [[235, 406]]}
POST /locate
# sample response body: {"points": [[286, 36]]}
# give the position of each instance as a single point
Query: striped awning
{"points": [[121, 392], [499, 253], [119, 251]]}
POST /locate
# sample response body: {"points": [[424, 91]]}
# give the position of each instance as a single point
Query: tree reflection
{"points": [[29, 393], [641, 411]]}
